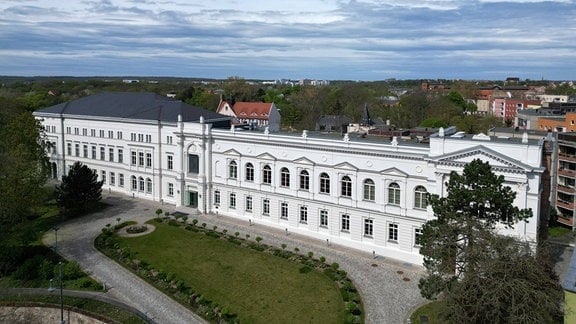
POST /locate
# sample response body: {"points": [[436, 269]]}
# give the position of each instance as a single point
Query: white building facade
{"points": [[365, 194]]}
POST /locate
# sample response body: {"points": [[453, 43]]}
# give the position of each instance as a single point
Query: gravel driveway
{"points": [[388, 288]]}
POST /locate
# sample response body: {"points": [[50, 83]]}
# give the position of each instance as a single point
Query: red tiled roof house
{"points": [[256, 114]]}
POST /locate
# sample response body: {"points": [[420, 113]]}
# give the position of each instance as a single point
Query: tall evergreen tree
{"points": [[80, 190], [470, 264]]}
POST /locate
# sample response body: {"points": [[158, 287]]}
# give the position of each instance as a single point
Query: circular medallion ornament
{"points": [[418, 169], [324, 158], [369, 163]]}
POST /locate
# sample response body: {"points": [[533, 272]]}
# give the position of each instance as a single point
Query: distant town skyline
{"points": [[316, 39]]}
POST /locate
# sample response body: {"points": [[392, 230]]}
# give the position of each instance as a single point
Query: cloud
{"points": [[331, 39]]}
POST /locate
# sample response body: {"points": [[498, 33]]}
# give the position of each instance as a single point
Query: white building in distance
{"points": [[363, 193]]}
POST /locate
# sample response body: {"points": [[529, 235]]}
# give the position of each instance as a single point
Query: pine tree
{"points": [[80, 190], [475, 269]]}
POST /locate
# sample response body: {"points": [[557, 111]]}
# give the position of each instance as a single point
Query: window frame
{"points": [[285, 177], [304, 180], [232, 170], [249, 169], [346, 187], [324, 183], [267, 175], [369, 193], [393, 232], [368, 227], [345, 223], [420, 197], [394, 194]]}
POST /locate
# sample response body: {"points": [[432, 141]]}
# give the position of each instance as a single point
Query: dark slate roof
{"points": [[132, 105]]}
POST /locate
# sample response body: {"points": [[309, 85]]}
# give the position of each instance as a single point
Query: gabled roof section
{"points": [[252, 110], [231, 152], [132, 105], [394, 172], [303, 160], [495, 159], [346, 166], [266, 156]]}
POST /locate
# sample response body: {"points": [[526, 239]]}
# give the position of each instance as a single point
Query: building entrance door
{"points": [[192, 199]]}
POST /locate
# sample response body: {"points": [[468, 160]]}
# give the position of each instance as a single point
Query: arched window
{"points": [[324, 183], [284, 177], [394, 194], [134, 183], [420, 197], [304, 180], [148, 185], [141, 184], [346, 187], [232, 170], [249, 172], [369, 190], [267, 175]]}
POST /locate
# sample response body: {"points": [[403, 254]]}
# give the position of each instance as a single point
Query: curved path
{"points": [[388, 288], [76, 242]]}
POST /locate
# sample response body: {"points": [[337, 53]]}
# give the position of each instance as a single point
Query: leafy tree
{"points": [[452, 244], [23, 163], [483, 276], [80, 190]]}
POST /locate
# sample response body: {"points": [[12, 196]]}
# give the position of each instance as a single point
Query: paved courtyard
{"points": [[389, 288]]}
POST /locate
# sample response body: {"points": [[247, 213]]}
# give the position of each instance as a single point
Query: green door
{"points": [[192, 199]]}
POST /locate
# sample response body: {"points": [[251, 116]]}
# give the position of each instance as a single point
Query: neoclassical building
{"points": [[365, 193]]}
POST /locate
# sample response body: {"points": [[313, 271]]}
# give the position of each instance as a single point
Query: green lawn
{"points": [[570, 309], [258, 287], [430, 311], [557, 231]]}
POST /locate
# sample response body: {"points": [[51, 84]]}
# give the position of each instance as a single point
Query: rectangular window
{"points": [[284, 210], [84, 131], [110, 134], [69, 148], [232, 200], [148, 160], [119, 134], [140, 137], [76, 131], [94, 151], [148, 138], [324, 218], [170, 162], [345, 223], [249, 204], [77, 149], [368, 227], [266, 206], [133, 137], [68, 130], [303, 214], [121, 180], [101, 133], [111, 154], [170, 189], [103, 174], [168, 139], [217, 197], [193, 163], [120, 156], [417, 235], [133, 160], [393, 232], [141, 159], [85, 150], [93, 132], [102, 153], [112, 178]]}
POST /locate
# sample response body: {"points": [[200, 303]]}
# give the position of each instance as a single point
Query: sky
{"points": [[290, 39]]}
